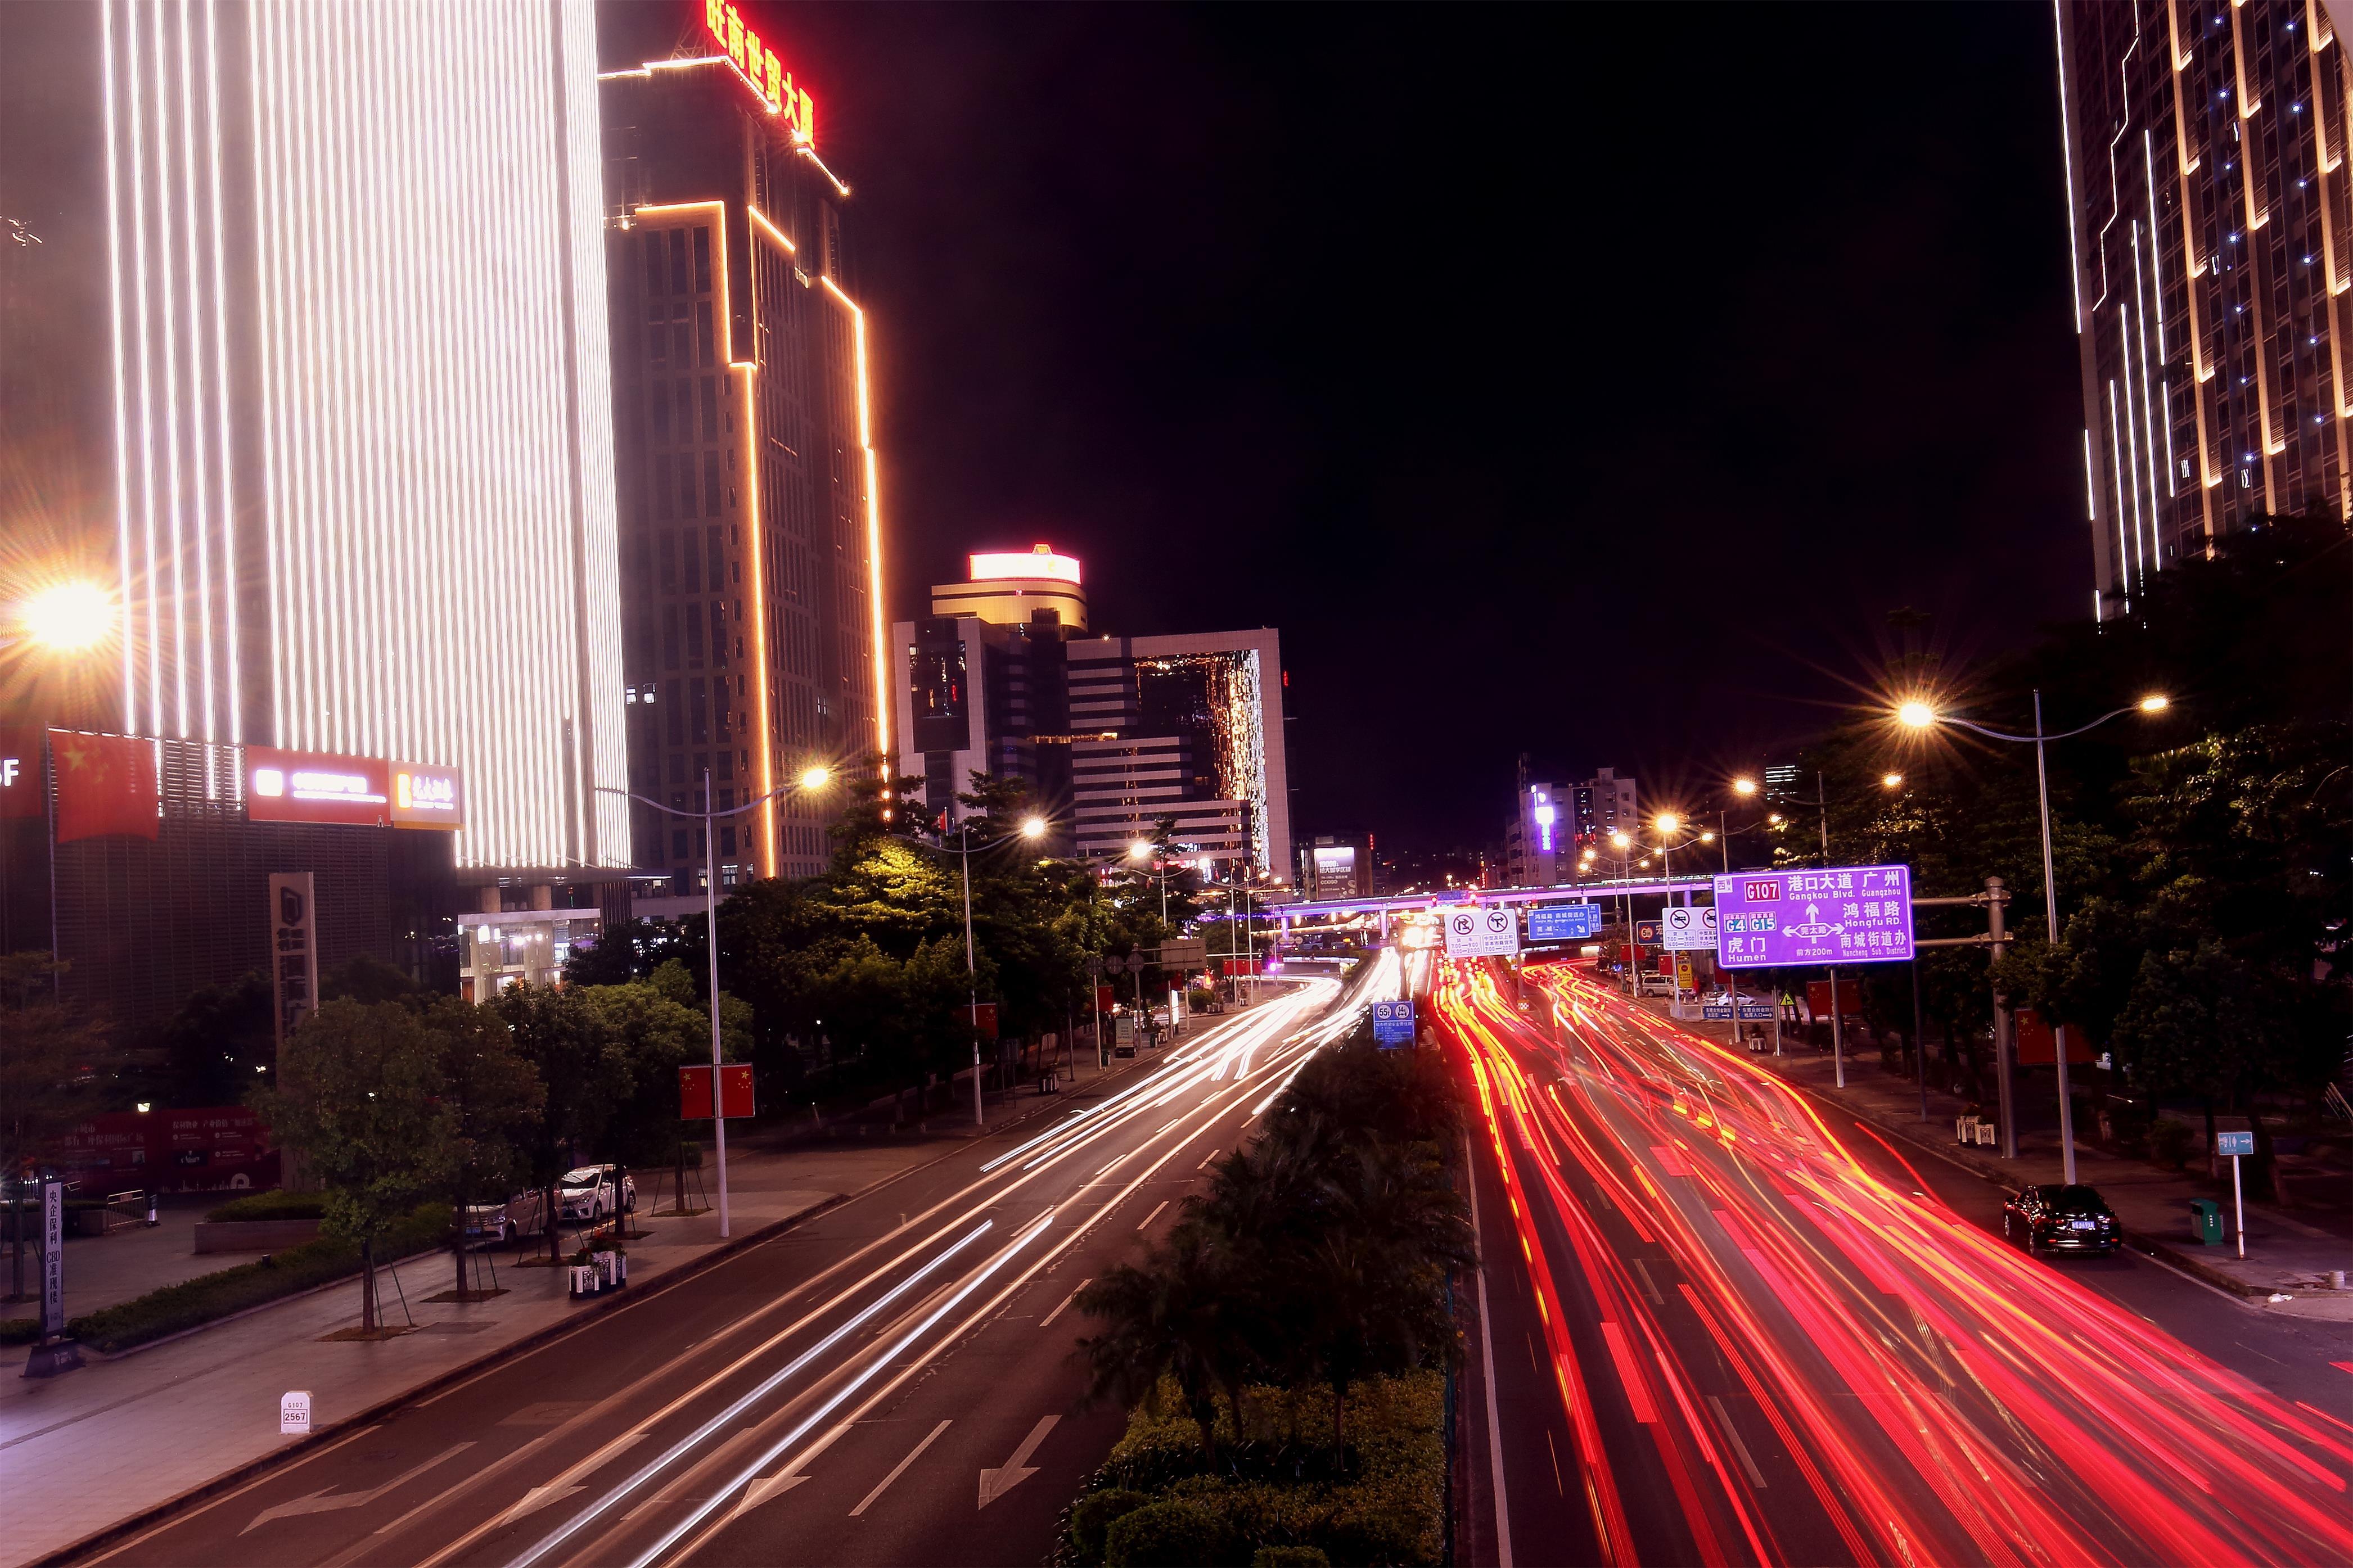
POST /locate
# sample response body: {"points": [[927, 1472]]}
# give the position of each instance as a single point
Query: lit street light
{"points": [[67, 617], [1919, 715], [811, 778]]}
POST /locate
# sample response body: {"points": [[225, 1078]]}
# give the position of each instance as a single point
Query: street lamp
{"points": [[66, 618], [1919, 715], [811, 778]]}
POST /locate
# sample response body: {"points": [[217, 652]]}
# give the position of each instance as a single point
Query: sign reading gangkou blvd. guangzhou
{"points": [[1842, 914]]}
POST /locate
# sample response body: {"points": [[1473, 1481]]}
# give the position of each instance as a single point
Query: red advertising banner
{"points": [[1239, 965], [106, 785], [694, 1093], [1818, 999], [315, 786], [1105, 1001], [21, 794], [984, 1020], [208, 1149], [2038, 1045]]}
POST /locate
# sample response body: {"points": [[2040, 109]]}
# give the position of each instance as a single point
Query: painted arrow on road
{"points": [[994, 1484], [786, 1480], [319, 1501], [564, 1485]]}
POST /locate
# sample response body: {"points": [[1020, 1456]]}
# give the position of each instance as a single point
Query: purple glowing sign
{"points": [[1844, 914]]}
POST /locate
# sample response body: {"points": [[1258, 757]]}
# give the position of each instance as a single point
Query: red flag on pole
{"points": [[106, 783]]}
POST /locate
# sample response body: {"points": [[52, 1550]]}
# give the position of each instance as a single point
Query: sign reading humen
{"points": [[761, 71], [1840, 914]]}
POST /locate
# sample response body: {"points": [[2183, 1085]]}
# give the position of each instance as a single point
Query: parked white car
{"points": [[588, 1192], [522, 1214]]}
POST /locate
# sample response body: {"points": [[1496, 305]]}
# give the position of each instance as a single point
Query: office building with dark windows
{"points": [[1114, 735], [2211, 226], [749, 529]]}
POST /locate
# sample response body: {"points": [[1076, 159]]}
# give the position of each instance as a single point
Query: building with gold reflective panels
{"points": [[2212, 223], [750, 525], [362, 417]]}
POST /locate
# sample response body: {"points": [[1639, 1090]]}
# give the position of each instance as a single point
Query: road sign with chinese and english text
{"points": [[1842, 914], [1393, 1023], [1474, 933]]}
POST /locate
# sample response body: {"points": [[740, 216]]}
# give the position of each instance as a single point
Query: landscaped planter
{"points": [[254, 1235], [585, 1282]]}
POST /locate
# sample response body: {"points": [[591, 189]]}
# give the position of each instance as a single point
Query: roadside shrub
{"points": [[276, 1204], [1093, 1515], [2169, 1142], [1290, 1557], [19, 1330], [1181, 1532], [200, 1301]]}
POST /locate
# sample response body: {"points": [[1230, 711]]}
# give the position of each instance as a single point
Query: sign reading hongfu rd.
{"points": [[1473, 933], [1840, 914]]}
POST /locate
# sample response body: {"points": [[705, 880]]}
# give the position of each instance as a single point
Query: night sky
{"points": [[1587, 382]]}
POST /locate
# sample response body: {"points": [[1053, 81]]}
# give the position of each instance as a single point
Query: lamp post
{"points": [[1919, 715], [811, 778], [1032, 827]]}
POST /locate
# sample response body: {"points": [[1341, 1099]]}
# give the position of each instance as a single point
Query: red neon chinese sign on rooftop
{"points": [[758, 65]]}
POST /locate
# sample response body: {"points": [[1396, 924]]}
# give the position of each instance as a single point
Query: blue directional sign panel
{"points": [[2234, 1142], [1750, 1012], [1840, 914], [1393, 1023], [1563, 922]]}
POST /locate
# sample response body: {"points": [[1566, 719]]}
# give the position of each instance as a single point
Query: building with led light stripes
{"points": [[750, 527], [2212, 225], [361, 407]]}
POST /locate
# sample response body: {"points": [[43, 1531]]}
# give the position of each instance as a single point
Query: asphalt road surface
{"points": [[1723, 1331], [890, 1383]]}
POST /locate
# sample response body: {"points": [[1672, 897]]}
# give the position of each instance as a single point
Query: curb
{"points": [[2197, 1268], [260, 1465]]}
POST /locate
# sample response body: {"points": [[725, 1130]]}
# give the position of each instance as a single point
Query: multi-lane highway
{"points": [[1716, 1333], [893, 1382]]}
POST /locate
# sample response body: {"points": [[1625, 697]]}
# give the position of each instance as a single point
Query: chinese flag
{"points": [[106, 783]]}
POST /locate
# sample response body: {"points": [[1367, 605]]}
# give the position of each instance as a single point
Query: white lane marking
{"points": [[788, 1478], [320, 1502], [1066, 1301], [995, 1483], [1147, 1219], [266, 1476], [1206, 1159], [660, 1549], [757, 1392], [899, 1469], [1724, 1418], [1487, 1361]]}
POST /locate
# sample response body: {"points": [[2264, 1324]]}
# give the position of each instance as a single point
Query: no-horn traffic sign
{"points": [[1474, 933]]}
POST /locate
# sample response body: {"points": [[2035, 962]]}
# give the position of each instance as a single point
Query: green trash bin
{"points": [[2206, 1221]]}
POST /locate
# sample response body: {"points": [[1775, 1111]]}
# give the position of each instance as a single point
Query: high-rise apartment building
{"points": [[1538, 843], [750, 531], [2212, 230], [1603, 804], [363, 485], [1114, 735]]}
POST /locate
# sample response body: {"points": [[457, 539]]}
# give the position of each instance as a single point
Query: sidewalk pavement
{"points": [[2288, 1254], [129, 1432], [101, 1270]]}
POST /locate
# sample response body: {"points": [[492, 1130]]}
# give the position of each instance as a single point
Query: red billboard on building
{"points": [[316, 786], [210, 1149]]}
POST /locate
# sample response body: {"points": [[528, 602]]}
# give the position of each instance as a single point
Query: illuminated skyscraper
{"points": [[362, 406], [2211, 224], [750, 530]]}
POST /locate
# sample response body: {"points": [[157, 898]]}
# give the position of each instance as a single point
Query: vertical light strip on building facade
{"points": [[408, 375], [882, 652]]}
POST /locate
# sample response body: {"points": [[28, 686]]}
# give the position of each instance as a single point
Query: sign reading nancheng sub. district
{"points": [[1840, 914]]}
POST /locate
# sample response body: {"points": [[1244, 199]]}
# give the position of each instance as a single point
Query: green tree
{"points": [[363, 1098], [495, 1098], [1181, 1315], [364, 977], [625, 950], [569, 1042], [49, 1051], [655, 1032], [223, 1039]]}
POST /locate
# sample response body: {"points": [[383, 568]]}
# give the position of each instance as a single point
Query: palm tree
{"points": [[1182, 1314]]}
